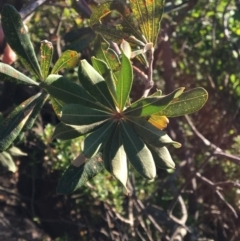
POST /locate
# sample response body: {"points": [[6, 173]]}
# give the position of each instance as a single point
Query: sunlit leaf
{"points": [[77, 176], [8, 73], [124, 83], [68, 60], [46, 57], [107, 74], [126, 30], [13, 124], [115, 159], [18, 38], [7, 162], [162, 157], [63, 89], [153, 104], [148, 13], [95, 141], [57, 106], [189, 102], [137, 152], [67, 132], [15, 151], [94, 83], [151, 134]]}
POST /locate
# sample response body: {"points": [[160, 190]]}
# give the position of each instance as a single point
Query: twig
{"points": [[216, 150], [27, 10]]}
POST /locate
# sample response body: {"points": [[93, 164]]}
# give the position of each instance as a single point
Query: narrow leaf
{"points": [[66, 91], [107, 74], [75, 114], [162, 157], [12, 126], [148, 13], [67, 132], [137, 152], [189, 102], [7, 162], [57, 106], [151, 134], [18, 38], [69, 59], [95, 141], [124, 83], [75, 177], [94, 83], [151, 105], [8, 73], [46, 57]]}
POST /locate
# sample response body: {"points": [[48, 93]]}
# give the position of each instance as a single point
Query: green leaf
{"points": [[124, 83], [189, 102], [95, 141], [66, 91], [18, 38], [8, 73], [153, 104], [79, 39], [39, 102], [137, 152], [94, 83], [7, 162], [148, 13], [126, 30], [151, 134], [67, 132], [107, 74], [75, 114], [46, 57], [57, 106], [76, 176], [12, 126], [118, 160], [69, 59], [162, 157]]}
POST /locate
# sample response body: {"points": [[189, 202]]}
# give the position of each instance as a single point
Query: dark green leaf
{"points": [[94, 83], [46, 57], [67, 132], [12, 126], [66, 91], [153, 104], [95, 141], [124, 83], [8, 73], [76, 176], [75, 114], [148, 13], [69, 59], [137, 152], [79, 39], [162, 157], [151, 134], [18, 38], [189, 102], [107, 74]]}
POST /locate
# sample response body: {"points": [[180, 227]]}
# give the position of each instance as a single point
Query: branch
{"points": [[216, 150]]}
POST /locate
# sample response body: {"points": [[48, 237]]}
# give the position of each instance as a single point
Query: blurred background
{"points": [[198, 45]]}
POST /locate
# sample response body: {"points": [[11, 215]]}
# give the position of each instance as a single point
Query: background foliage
{"points": [[198, 46]]}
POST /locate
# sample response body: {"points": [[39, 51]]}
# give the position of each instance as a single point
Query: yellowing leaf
{"points": [[160, 122]]}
